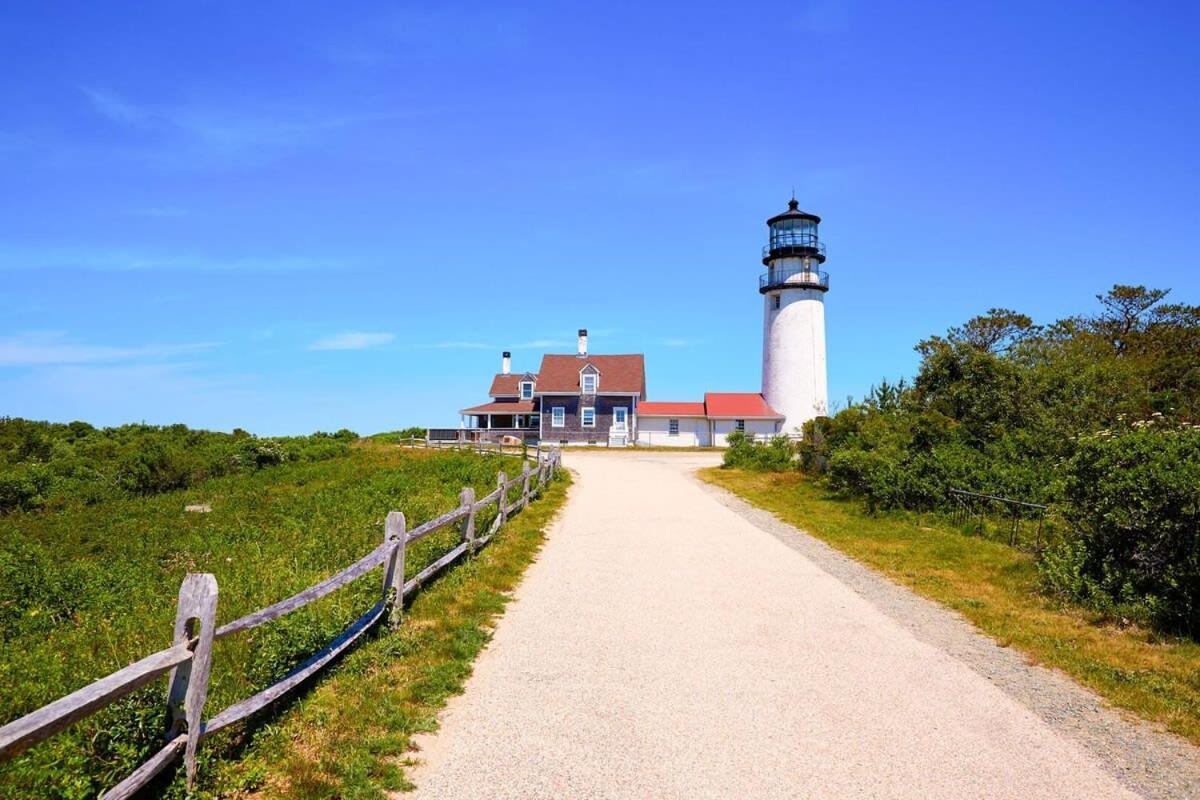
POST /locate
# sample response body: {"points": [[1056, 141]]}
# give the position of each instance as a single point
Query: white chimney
{"points": [[506, 363], [583, 341]]}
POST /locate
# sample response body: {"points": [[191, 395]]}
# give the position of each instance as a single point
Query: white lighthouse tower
{"points": [[793, 290]]}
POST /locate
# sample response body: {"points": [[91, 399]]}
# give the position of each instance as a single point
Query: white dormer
{"points": [[526, 388], [589, 379]]}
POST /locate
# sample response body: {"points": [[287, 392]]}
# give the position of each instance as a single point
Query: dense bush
{"points": [[46, 464], [1005, 407], [744, 452], [1134, 499]]}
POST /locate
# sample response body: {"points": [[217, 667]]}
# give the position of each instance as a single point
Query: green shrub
{"points": [[24, 487], [744, 452], [1134, 500]]}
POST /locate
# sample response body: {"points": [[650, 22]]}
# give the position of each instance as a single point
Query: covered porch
{"points": [[495, 420]]}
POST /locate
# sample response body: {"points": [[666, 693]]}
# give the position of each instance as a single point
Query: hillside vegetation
{"points": [[88, 580], [1096, 415]]}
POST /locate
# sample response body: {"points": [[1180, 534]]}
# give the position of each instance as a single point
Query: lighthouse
{"points": [[793, 290]]}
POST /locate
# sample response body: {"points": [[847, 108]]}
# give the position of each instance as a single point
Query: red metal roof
{"points": [[505, 407], [663, 408], [624, 373], [508, 385], [738, 405]]}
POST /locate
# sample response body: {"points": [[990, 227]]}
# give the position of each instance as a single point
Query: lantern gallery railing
{"points": [[793, 279]]}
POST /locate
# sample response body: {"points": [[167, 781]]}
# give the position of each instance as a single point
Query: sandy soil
{"points": [[664, 645]]}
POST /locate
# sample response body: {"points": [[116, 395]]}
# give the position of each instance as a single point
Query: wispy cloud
{"points": [[352, 340], [34, 349], [57, 257], [193, 131], [535, 344], [679, 341], [460, 345]]}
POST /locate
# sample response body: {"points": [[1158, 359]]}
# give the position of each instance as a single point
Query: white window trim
{"points": [[583, 383], [558, 416], [583, 416], [523, 385]]}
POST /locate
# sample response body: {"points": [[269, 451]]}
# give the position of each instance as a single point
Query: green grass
{"points": [[89, 589], [996, 588], [352, 736]]}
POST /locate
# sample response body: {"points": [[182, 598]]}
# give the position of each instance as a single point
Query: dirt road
{"points": [[666, 646]]}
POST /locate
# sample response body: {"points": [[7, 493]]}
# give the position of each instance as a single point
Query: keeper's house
{"points": [[571, 399]]}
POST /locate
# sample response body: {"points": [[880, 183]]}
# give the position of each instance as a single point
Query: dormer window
{"points": [[526, 390], [590, 381]]}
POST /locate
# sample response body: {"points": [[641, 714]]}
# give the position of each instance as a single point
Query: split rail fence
{"points": [[189, 658]]}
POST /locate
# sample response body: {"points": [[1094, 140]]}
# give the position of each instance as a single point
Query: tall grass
{"points": [[86, 590]]}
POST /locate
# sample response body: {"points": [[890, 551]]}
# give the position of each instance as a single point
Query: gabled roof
{"points": [[509, 407], [664, 408], [559, 374], [509, 385], [738, 405]]}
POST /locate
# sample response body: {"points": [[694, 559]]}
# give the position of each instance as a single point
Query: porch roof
{"points": [[504, 407]]}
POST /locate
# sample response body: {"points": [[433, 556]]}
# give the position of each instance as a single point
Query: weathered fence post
{"points": [[188, 685], [467, 498], [395, 530], [525, 485], [502, 501]]}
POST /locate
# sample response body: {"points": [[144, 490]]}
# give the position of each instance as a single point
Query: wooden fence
{"points": [[189, 657]]}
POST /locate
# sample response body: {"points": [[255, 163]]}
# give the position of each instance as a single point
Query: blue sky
{"points": [[287, 217]]}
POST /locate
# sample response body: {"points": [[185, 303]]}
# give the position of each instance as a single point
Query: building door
{"points": [[620, 418]]}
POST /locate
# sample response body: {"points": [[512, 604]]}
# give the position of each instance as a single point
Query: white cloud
{"points": [[56, 257], [34, 349], [535, 344], [461, 345], [679, 341], [352, 340]]}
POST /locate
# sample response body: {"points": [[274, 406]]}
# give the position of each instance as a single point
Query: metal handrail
{"points": [[799, 278]]}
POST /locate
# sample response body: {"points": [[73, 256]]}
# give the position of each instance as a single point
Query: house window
{"points": [[590, 381], [558, 417], [535, 420], [739, 425], [526, 390], [589, 417], [672, 427]]}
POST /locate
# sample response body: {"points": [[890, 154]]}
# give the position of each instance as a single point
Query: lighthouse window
{"points": [[776, 302]]}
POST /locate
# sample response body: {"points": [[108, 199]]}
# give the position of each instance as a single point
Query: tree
{"points": [[1124, 312], [994, 332]]}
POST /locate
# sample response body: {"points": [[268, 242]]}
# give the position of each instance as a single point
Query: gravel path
{"points": [[671, 642]]}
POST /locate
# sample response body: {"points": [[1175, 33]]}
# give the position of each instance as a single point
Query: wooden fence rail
{"points": [[189, 657]]}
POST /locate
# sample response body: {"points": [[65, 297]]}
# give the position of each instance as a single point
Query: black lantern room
{"points": [[794, 254], [794, 235]]}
